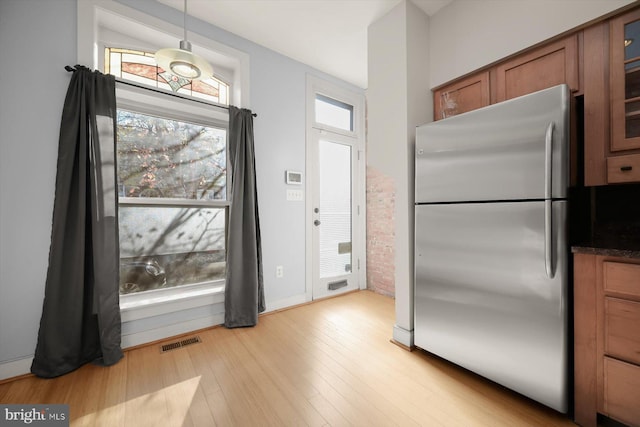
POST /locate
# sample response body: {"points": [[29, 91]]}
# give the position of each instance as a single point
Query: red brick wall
{"points": [[380, 232]]}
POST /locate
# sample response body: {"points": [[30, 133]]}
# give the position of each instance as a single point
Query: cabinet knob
{"points": [[626, 168]]}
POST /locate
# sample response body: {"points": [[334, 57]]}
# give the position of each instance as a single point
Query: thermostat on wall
{"points": [[293, 177]]}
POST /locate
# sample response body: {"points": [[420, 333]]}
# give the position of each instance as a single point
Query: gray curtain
{"points": [[244, 292], [80, 320]]}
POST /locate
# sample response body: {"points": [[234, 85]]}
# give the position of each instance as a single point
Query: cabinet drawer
{"points": [[623, 168], [622, 391], [622, 329], [622, 278]]}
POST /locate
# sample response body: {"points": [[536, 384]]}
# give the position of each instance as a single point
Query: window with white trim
{"points": [[333, 113], [172, 179], [106, 24]]}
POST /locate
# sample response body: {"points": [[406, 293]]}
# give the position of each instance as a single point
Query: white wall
{"points": [[419, 111], [30, 111], [387, 91], [40, 38], [398, 100], [469, 34]]}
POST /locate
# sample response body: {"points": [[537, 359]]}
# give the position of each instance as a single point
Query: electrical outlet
{"points": [[279, 271]]}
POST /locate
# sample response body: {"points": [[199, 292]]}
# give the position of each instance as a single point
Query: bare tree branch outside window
{"points": [[174, 242]]}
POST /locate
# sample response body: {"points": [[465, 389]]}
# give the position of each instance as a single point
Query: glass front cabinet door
{"points": [[625, 81]]}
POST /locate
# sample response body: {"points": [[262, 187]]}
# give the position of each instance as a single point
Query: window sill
{"points": [[154, 303]]}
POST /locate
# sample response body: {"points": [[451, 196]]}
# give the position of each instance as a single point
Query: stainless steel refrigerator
{"points": [[491, 274]]}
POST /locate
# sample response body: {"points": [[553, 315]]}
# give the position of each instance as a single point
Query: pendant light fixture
{"points": [[182, 62]]}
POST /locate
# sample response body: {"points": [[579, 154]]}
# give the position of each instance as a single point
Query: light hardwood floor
{"points": [[326, 363]]}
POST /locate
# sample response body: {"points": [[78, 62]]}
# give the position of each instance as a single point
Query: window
{"points": [[172, 180], [172, 185], [110, 24], [140, 67], [334, 113]]}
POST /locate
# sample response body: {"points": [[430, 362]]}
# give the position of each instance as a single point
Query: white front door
{"points": [[335, 185], [335, 230]]}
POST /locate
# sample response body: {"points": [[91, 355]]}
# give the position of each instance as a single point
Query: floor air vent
{"points": [[337, 285], [174, 345]]}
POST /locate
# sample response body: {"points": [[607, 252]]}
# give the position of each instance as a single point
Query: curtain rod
{"points": [[70, 69]]}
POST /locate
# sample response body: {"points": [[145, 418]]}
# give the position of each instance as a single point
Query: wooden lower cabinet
{"points": [[622, 329], [622, 390], [584, 340], [606, 338]]}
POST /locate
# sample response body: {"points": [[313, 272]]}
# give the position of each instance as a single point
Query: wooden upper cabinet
{"points": [[611, 88], [595, 87], [461, 96], [624, 81], [541, 68], [545, 67]]}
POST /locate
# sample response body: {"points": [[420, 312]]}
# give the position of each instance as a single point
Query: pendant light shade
{"points": [[182, 62]]}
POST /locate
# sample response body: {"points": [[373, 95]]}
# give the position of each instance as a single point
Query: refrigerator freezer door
{"points": [[483, 299], [497, 152]]}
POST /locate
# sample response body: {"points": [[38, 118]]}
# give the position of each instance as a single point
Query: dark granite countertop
{"points": [[618, 239], [595, 250]]}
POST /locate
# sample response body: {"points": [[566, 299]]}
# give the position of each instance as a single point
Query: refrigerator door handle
{"points": [[548, 211], [548, 239], [548, 161]]}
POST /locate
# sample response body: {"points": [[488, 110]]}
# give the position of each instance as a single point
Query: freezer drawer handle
{"points": [[548, 212], [626, 168]]}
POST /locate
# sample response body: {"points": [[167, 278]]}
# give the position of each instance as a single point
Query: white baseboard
{"points": [[15, 368], [287, 302], [168, 331], [151, 335], [19, 367], [403, 336]]}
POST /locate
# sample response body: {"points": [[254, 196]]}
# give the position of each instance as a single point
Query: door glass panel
{"points": [[632, 78], [334, 113], [632, 40], [335, 209]]}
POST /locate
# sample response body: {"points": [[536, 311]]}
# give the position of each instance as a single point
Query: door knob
{"points": [[316, 222]]}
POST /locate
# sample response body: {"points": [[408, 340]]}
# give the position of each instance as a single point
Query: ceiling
{"points": [[330, 35]]}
